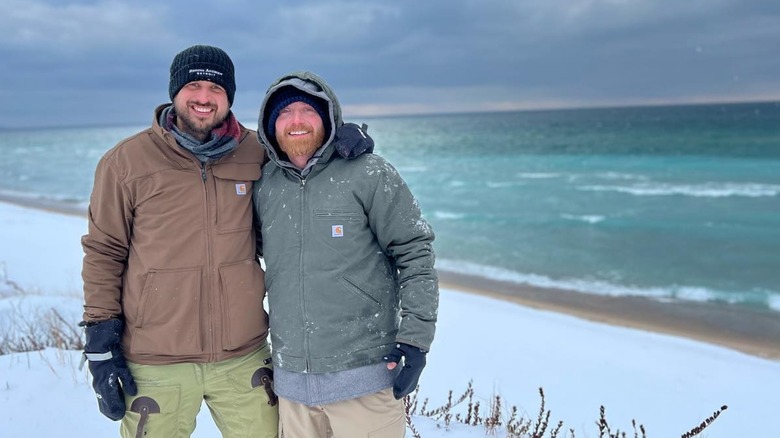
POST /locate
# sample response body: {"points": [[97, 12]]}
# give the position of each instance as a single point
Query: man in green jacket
{"points": [[350, 272], [173, 291]]}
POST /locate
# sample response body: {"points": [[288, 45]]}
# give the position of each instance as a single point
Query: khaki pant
{"points": [[170, 397], [377, 415]]}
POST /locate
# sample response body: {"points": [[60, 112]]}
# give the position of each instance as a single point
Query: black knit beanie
{"points": [[202, 63], [287, 95]]}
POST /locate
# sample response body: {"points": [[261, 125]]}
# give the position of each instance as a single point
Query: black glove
{"points": [[414, 362], [352, 140], [110, 375]]}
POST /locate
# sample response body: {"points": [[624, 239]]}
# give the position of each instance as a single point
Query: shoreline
{"points": [[749, 331], [753, 332], [52, 206]]}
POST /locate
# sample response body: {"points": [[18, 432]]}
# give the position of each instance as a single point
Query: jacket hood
{"points": [[311, 84]]}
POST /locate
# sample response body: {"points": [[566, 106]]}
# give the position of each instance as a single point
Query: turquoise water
{"points": [[668, 202]]}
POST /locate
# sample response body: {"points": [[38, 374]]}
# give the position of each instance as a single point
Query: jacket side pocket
{"points": [[168, 319], [243, 290]]}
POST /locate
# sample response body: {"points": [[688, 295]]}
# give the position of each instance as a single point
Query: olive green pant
{"points": [[237, 391], [377, 415]]}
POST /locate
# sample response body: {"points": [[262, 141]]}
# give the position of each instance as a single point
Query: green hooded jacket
{"points": [[349, 259]]}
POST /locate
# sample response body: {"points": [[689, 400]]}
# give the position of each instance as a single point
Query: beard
{"points": [[198, 128], [300, 147]]}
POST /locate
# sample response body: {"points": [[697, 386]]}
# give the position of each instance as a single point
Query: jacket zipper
{"points": [[210, 298], [301, 261]]}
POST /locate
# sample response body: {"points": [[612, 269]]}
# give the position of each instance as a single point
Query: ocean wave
{"points": [[589, 218], [707, 190], [410, 169], [538, 175], [768, 299], [621, 176], [447, 215], [502, 185], [774, 302], [66, 203], [42, 197]]}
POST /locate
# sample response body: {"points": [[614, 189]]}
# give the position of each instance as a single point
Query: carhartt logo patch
{"points": [[337, 231], [241, 189]]}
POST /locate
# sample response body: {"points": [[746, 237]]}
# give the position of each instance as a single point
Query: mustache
{"points": [[298, 127], [204, 104]]}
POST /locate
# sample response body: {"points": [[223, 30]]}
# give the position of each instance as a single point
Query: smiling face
{"points": [[200, 107], [299, 132]]}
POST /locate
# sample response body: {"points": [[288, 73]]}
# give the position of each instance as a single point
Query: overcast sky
{"points": [[107, 62]]}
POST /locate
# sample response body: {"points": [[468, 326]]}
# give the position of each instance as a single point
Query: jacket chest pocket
{"points": [[339, 215], [338, 227], [234, 182]]}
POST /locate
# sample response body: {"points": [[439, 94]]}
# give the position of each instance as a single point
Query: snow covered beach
{"points": [[667, 383]]}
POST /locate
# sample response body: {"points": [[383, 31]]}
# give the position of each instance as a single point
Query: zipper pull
{"points": [[203, 172]]}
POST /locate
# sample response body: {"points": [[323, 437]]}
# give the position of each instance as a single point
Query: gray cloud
{"points": [[69, 62]]}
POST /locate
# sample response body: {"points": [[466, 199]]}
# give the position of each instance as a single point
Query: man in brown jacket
{"points": [[172, 288]]}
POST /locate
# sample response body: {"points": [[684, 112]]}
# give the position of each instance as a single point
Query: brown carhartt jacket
{"points": [[171, 250]]}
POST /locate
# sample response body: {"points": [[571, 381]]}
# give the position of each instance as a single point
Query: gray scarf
{"points": [[224, 138]]}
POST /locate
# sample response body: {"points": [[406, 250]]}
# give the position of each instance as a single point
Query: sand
{"points": [[755, 332]]}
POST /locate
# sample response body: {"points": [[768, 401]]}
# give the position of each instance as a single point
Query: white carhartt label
{"points": [[337, 231], [241, 189]]}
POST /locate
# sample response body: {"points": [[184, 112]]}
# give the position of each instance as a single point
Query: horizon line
{"points": [[391, 114]]}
